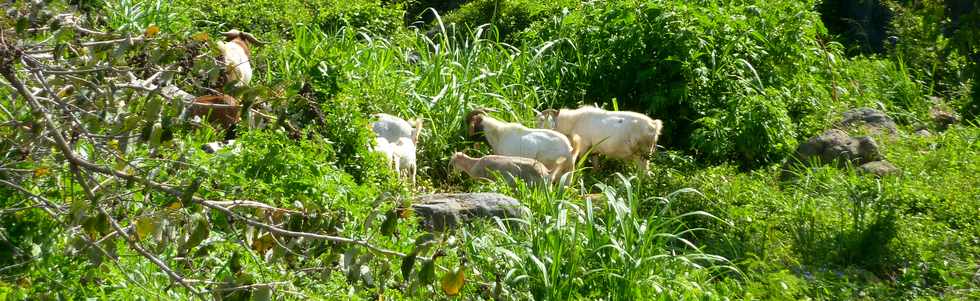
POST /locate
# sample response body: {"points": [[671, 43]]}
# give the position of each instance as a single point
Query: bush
{"points": [[366, 15], [277, 18], [506, 16], [702, 69]]}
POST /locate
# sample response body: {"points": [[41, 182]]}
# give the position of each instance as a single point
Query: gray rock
{"points": [[943, 119], [836, 145], [923, 132], [879, 168], [444, 211], [874, 120]]}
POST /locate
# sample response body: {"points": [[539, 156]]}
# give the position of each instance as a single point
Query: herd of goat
{"points": [[533, 155]]}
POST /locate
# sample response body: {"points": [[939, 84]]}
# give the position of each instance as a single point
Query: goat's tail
{"points": [[417, 123], [576, 141], [567, 165]]}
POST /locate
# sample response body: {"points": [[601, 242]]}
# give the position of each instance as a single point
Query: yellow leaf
{"points": [[263, 244], [145, 226], [452, 282], [200, 37], [406, 212], [40, 171], [174, 205], [151, 31]]}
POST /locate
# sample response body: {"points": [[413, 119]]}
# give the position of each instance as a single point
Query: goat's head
{"points": [[241, 38], [474, 124], [455, 160], [547, 119]]}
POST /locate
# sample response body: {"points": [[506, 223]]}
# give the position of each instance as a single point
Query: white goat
{"points": [[396, 139], [400, 155], [616, 134], [530, 171], [513, 139], [392, 128], [237, 56]]}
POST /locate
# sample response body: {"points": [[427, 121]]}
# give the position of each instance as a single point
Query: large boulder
{"points": [[874, 120], [837, 146], [444, 211]]}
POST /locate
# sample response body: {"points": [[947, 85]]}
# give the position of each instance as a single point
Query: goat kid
{"points": [[400, 155], [513, 139], [528, 170], [615, 134], [393, 128]]}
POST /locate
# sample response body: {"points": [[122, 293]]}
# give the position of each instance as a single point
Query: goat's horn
{"points": [[231, 34], [252, 39]]}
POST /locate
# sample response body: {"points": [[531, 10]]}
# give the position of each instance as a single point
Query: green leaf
{"points": [[145, 226], [156, 135], [428, 273], [390, 223], [407, 264], [235, 264], [200, 232], [22, 25], [262, 294]]}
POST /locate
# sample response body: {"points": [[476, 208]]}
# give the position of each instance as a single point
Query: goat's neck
{"points": [[465, 163], [244, 45], [565, 121], [492, 128]]}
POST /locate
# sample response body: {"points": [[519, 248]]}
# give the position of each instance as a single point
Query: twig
{"points": [[248, 204], [248, 287]]}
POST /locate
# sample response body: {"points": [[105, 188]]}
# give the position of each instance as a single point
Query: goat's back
{"points": [[391, 127]]}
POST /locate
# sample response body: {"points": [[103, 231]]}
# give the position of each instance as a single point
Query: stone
{"points": [[836, 145], [879, 168], [874, 120], [943, 119], [923, 132], [443, 211]]}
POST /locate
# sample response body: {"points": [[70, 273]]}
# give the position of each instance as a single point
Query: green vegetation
{"points": [[738, 84]]}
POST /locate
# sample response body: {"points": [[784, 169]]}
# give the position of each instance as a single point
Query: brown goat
{"points": [[222, 110]]}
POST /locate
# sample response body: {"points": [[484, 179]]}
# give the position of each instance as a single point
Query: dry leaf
{"points": [[41, 171], [200, 37], [452, 282], [152, 31], [263, 244]]}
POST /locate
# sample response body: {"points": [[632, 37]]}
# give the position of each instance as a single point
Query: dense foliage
{"points": [[300, 207]]}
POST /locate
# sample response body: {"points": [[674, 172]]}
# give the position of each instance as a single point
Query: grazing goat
{"points": [[237, 56], [528, 170], [513, 139], [218, 109], [392, 128], [400, 155], [620, 135]]}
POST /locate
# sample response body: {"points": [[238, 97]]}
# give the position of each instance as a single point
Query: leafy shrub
{"points": [[367, 15], [277, 18], [506, 16], [862, 25], [703, 68]]}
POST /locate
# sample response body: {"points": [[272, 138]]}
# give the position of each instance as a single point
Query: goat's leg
{"points": [[412, 170], [644, 164]]}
